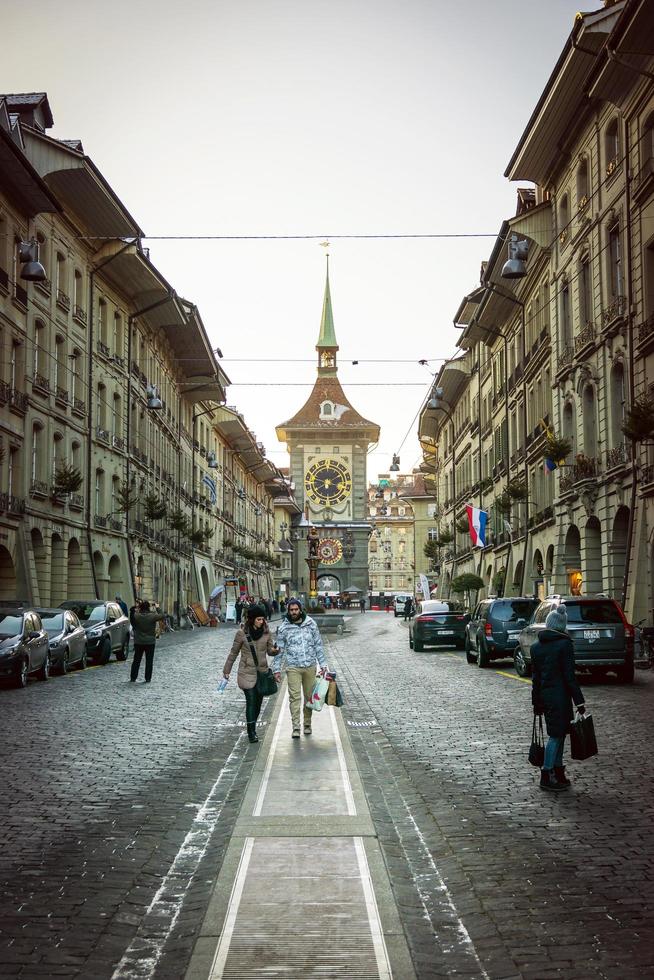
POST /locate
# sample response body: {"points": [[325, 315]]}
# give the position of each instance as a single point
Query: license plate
{"points": [[591, 634], [513, 633], [446, 632]]}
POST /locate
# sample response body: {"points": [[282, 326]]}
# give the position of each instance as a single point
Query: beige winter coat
{"points": [[247, 676]]}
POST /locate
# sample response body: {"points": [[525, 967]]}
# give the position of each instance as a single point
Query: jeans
{"points": [[554, 752], [139, 650], [252, 704]]}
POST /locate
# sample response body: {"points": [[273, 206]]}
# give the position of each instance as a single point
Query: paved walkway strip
{"points": [[303, 891]]}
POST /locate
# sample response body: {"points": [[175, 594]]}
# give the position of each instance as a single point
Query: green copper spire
{"points": [[327, 338]]}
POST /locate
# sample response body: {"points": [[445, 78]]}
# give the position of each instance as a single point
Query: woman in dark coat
{"points": [[554, 688], [255, 632]]}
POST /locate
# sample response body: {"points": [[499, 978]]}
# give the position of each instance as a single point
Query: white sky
{"points": [[323, 117]]}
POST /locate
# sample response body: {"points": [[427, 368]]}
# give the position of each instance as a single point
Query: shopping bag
{"points": [[318, 694], [334, 696], [537, 748], [583, 743]]}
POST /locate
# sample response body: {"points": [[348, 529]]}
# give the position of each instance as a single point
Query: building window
{"points": [[57, 443], [60, 366], [78, 291], [564, 217], [12, 470], [566, 321], [582, 185], [99, 491], [615, 263], [585, 292], [617, 403], [647, 140], [39, 332], [102, 321], [37, 450], [76, 452], [612, 147], [61, 274]]}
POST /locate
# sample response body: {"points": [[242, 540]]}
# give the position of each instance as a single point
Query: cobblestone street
{"points": [[118, 802]]}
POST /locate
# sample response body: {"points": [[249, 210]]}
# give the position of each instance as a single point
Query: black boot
{"points": [[559, 772], [252, 731], [549, 782]]}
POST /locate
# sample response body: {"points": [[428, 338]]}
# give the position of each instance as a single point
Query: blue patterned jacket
{"points": [[300, 643]]}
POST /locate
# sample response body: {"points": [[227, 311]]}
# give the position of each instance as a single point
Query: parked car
{"points": [[438, 623], [106, 626], [67, 638], [603, 640], [494, 627], [399, 602], [24, 647]]}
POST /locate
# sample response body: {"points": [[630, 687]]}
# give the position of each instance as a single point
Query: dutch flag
{"points": [[477, 520]]}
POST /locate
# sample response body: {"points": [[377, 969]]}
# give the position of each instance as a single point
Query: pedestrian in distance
{"points": [[144, 619], [298, 640], [238, 612], [408, 609], [554, 689], [362, 604], [254, 634], [123, 606]]}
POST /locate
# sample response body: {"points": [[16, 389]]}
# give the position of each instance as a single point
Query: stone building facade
{"points": [[108, 373], [567, 348]]}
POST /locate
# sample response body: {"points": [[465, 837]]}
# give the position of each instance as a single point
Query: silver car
{"points": [[67, 639]]}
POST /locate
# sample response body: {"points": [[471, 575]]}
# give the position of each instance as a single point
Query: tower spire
{"points": [[327, 345]]}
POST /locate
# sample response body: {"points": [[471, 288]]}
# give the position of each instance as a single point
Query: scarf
{"points": [[255, 633]]}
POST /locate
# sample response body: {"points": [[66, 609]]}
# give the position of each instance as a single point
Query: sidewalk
{"points": [[303, 891]]}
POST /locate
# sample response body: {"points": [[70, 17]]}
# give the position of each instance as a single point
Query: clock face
{"points": [[330, 550], [327, 481]]}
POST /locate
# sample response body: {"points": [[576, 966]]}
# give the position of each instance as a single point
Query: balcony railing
{"points": [[587, 469], [45, 286], [585, 336], [79, 314], [63, 300], [61, 394], [18, 400], [79, 406], [618, 456], [99, 520], [76, 501], [646, 329], [566, 357], [40, 382], [103, 348], [118, 442], [647, 474], [614, 310], [39, 488], [101, 434], [10, 504]]}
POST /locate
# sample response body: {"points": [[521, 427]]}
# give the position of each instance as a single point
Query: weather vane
{"points": [[325, 245]]}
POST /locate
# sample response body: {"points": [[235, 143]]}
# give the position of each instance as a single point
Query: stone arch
{"points": [[517, 578], [40, 564], [7, 575], [117, 585], [538, 574], [327, 577], [57, 571], [592, 564], [549, 561], [204, 584], [76, 578], [100, 576], [572, 559], [618, 551]]}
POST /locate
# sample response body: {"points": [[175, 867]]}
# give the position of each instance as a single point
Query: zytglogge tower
{"points": [[328, 443]]}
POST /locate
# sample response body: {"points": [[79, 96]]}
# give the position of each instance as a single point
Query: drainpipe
{"points": [[89, 389], [630, 350]]}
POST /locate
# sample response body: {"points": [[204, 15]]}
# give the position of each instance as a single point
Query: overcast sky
{"points": [[303, 117]]}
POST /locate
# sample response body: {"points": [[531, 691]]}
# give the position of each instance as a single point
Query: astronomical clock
{"points": [[328, 481]]}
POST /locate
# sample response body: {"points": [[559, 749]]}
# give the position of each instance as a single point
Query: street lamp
{"points": [[153, 402], [516, 265], [212, 462], [31, 269], [395, 465]]}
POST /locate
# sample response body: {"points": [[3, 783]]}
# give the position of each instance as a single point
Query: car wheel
{"points": [[83, 662], [23, 674], [64, 663], [419, 647], [523, 669], [44, 670], [483, 656], [470, 657], [122, 653], [105, 651], [626, 674]]}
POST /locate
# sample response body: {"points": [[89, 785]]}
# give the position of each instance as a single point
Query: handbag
{"points": [[266, 683], [334, 696], [318, 694], [583, 743], [537, 748]]}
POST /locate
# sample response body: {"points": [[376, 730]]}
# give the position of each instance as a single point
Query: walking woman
{"points": [[554, 688], [254, 634]]}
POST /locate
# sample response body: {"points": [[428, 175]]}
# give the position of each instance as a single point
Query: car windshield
{"points": [[53, 622], [10, 625], [511, 610], [96, 615], [593, 612]]}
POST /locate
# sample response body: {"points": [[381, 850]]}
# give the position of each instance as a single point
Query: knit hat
{"points": [[557, 619], [253, 612], [298, 602]]}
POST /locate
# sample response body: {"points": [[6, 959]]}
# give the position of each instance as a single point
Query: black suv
{"points": [[602, 637], [493, 630], [106, 626], [24, 646]]}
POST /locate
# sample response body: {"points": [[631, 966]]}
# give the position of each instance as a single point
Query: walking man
{"points": [[408, 609], [298, 639], [144, 621], [362, 604]]}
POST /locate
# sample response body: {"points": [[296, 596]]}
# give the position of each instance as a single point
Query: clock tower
{"points": [[328, 443]]}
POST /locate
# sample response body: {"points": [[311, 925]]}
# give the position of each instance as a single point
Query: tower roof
{"points": [[327, 337]]}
